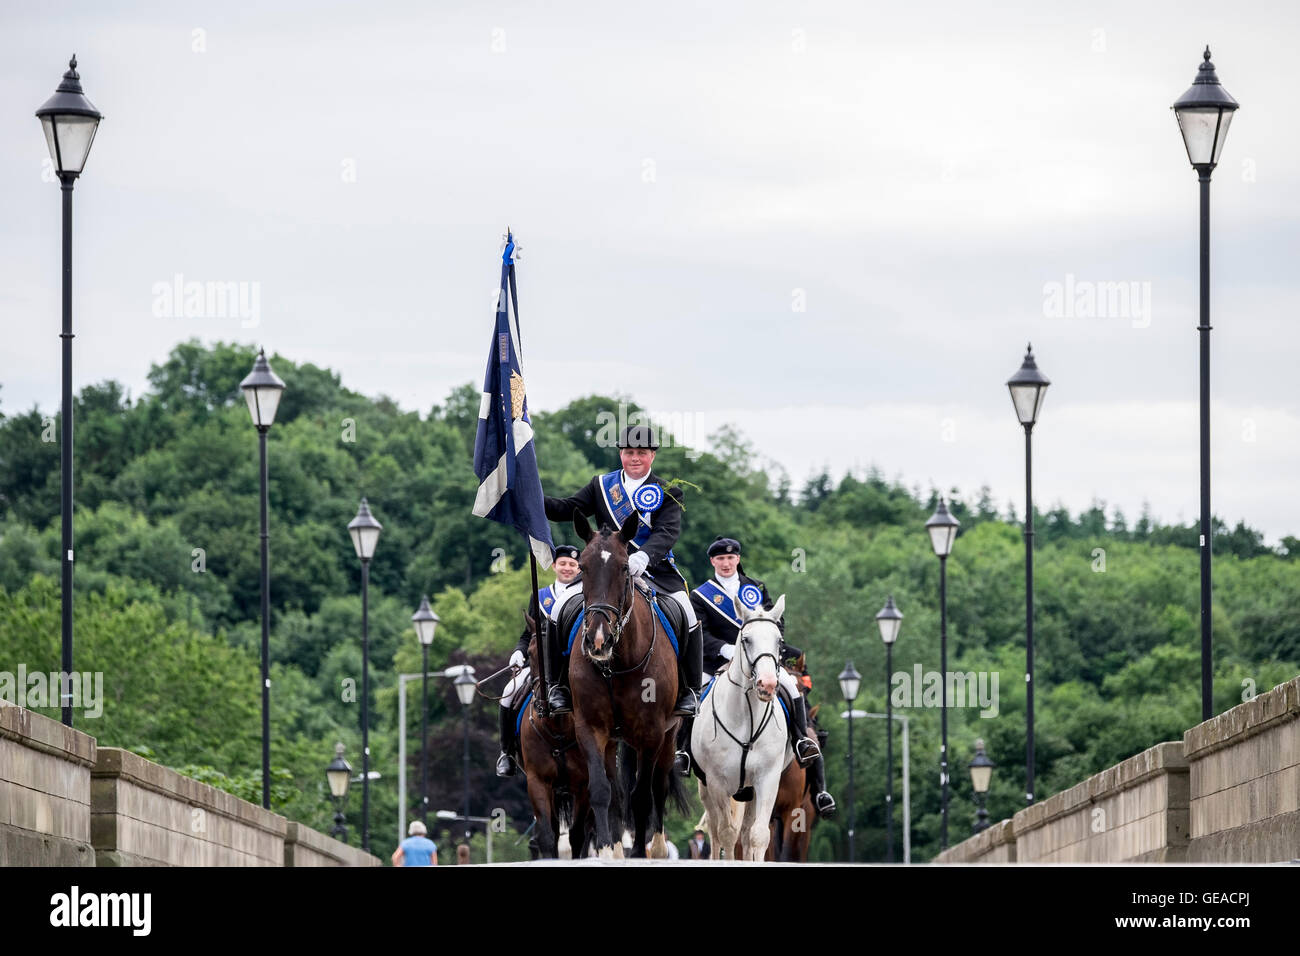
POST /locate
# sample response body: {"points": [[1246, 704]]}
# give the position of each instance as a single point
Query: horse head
{"points": [[758, 646], [606, 586]]}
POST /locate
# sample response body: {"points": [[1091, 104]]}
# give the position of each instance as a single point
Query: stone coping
{"points": [[1247, 719], [1164, 757], [972, 849], [122, 764], [34, 730], [299, 834]]}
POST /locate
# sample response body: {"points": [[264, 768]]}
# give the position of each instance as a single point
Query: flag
{"points": [[505, 455]]}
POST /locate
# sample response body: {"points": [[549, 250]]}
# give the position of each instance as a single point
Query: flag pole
{"points": [[543, 646]]}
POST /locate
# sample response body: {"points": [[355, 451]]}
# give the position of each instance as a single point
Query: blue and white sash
{"points": [[621, 506]]}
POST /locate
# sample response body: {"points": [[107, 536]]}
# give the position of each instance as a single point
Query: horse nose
{"points": [[768, 684], [599, 640]]}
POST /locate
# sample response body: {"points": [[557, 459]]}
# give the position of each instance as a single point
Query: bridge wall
{"points": [[44, 791], [64, 801], [1245, 769], [1228, 792]]}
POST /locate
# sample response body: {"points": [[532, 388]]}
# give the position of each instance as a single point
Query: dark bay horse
{"points": [[556, 771], [623, 676]]}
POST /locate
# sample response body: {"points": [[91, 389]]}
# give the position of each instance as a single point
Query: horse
{"points": [[794, 812], [624, 685], [740, 741], [556, 772]]}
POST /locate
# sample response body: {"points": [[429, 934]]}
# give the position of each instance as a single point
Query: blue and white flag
{"points": [[505, 456]]}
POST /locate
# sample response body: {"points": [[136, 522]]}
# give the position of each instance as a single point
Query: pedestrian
{"points": [[417, 849]]}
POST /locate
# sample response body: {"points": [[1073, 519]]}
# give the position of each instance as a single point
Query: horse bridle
{"points": [[615, 617], [752, 677]]}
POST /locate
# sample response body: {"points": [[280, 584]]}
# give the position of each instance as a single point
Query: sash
{"points": [[719, 600], [619, 504], [546, 598]]}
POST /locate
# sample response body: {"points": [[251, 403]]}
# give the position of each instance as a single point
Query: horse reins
{"points": [[752, 681]]}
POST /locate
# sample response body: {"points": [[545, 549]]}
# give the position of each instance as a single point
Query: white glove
{"points": [[517, 659], [728, 651], [637, 563]]}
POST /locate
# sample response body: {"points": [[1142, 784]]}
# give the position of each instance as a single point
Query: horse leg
{"points": [[599, 787], [723, 832], [543, 801], [758, 816], [661, 781], [641, 801]]}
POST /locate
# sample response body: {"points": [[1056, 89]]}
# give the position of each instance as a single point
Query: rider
{"points": [[612, 498], [568, 584], [717, 603]]}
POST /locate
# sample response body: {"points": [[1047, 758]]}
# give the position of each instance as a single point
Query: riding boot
{"points": [[805, 749], [558, 699], [505, 764], [690, 672], [822, 800], [682, 760]]}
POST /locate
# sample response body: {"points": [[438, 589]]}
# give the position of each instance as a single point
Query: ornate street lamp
{"points": [[364, 530], [850, 681], [942, 527], [426, 622], [890, 619]]}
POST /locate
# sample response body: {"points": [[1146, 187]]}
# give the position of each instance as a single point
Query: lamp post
{"points": [[1028, 389], [339, 775], [1204, 113], [465, 688], [850, 681], [942, 527], [425, 623], [890, 619], [364, 530], [981, 769], [69, 121], [262, 389]]}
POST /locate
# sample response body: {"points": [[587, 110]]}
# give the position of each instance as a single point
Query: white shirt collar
{"points": [[632, 484], [731, 585]]}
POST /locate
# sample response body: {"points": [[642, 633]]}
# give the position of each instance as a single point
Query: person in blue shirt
{"points": [[417, 849]]}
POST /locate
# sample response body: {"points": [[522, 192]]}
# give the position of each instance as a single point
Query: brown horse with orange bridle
{"points": [[623, 676]]}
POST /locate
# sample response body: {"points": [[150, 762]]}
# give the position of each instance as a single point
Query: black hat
{"points": [[566, 551], [723, 545], [638, 436]]}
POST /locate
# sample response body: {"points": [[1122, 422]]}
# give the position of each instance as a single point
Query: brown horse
{"points": [[556, 771], [794, 812], [624, 682]]}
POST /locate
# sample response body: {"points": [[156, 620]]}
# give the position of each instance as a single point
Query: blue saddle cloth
{"points": [[654, 603], [519, 718]]}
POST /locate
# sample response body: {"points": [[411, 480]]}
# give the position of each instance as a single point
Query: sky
{"points": [[834, 226]]}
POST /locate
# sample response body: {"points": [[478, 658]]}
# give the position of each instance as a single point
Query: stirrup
{"points": [[687, 703], [806, 752], [825, 805], [558, 700], [505, 766], [682, 763]]}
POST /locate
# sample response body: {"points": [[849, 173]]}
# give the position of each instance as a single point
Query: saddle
{"points": [[667, 611]]}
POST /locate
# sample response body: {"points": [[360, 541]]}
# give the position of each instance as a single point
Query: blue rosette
{"points": [[750, 596], [648, 498]]}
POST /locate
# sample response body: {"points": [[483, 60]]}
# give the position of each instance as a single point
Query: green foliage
{"points": [[168, 597]]}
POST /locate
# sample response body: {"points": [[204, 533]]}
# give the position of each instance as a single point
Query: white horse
{"points": [[740, 739]]}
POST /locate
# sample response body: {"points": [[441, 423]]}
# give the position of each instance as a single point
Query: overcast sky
{"points": [[835, 225]]}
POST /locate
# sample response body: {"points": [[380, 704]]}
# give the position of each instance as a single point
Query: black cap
{"points": [[723, 545], [638, 436], [567, 551]]}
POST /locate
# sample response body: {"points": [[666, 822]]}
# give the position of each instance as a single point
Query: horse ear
{"points": [[528, 618], [628, 531], [746, 612], [778, 608], [581, 527], [812, 711]]}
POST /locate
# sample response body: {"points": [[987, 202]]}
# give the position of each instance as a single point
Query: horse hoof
{"points": [[607, 853], [618, 851], [658, 848]]}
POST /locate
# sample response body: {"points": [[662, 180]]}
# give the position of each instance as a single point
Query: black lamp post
{"points": [[943, 533], [339, 775], [465, 688], [1028, 389], [981, 769], [69, 121], [365, 536], [1204, 113], [262, 389], [850, 681], [890, 619], [426, 622]]}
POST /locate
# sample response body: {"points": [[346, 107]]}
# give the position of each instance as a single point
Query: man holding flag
{"points": [[505, 456]]}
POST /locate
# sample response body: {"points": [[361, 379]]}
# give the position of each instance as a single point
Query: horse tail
{"points": [[677, 792], [620, 807]]}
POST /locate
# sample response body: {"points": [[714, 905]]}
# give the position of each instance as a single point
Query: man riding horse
{"points": [[553, 597], [717, 602], [612, 498]]}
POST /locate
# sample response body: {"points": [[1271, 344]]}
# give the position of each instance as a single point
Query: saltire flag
{"points": [[505, 455]]}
